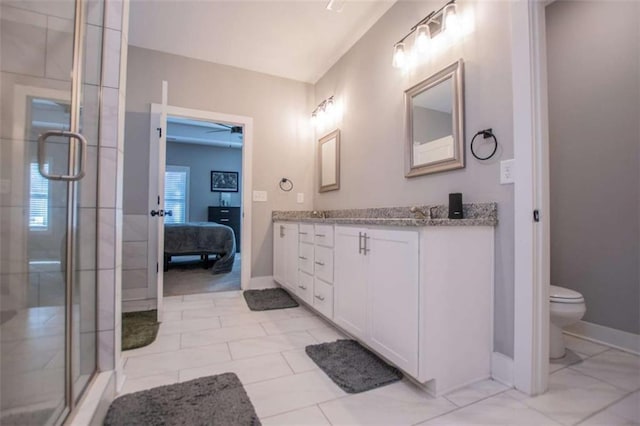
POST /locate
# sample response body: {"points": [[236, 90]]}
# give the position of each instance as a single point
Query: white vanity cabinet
{"points": [[376, 290], [421, 297], [285, 254]]}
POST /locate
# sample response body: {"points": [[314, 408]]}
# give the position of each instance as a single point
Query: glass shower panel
{"points": [[36, 347]]}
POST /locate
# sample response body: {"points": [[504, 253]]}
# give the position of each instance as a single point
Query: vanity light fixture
{"points": [[436, 22], [324, 110]]}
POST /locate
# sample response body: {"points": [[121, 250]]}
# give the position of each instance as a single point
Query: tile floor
{"points": [[212, 333]]}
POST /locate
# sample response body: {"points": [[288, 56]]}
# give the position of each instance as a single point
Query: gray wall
{"points": [[372, 128], [594, 109], [283, 144], [201, 160]]}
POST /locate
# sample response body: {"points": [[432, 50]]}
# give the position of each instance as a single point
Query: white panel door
{"points": [[278, 252], [350, 277], [392, 295], [291, 255], [157, 163]]}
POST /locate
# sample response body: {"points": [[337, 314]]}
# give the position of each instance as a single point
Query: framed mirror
{"points": [[435, 123], [329, 162]]}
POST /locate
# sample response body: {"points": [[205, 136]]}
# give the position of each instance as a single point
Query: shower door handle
{"points": [[42, 151]]}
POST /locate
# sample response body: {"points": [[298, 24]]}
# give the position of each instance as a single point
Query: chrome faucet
{"points": [[420, 213], [319, 214]]}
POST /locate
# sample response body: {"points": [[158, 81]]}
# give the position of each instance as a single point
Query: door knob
{"points": [[157, 213]]}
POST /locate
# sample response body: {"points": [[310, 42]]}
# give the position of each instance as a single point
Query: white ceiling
{"points": [[296, 39]]}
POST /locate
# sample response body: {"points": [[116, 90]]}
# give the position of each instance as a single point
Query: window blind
{"points": [[38, 199], [175, 195]]}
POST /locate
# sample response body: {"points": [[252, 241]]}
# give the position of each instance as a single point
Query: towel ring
{"points": [[487, 133], [286, 185]]}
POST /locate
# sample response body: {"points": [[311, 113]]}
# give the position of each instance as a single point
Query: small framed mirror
{"points": [[435, 123], [329, 162]]}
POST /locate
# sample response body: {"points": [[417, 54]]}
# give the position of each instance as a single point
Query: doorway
{"points": [[203, 176], [162, 115]]}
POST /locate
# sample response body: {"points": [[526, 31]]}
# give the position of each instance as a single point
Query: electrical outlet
{"points": [[260, 196], [507, 171], [300, 197]]}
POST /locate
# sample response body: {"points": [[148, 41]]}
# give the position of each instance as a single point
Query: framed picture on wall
{"points": [[224, 181]]}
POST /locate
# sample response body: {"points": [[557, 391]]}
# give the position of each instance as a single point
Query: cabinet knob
{"points": [[320, 263], [302, 287], [302, 257], [320, 298]]}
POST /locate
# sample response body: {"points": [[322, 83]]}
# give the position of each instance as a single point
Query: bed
{"points": [[200, 238]]}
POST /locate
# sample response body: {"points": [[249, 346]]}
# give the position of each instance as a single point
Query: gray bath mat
{"points": [[269, 298], [213, 400], [351, 366]]}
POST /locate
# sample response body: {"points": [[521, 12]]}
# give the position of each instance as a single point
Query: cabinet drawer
{"points": [[323, 298], [305, 258], [323, 264], [306, 233], [304, 287], [324, 235]]}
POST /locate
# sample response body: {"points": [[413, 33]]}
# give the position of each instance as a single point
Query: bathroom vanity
{"points": [[416, 290]]}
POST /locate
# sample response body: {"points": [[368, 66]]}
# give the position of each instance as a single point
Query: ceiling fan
{"points": [[226, 128]]}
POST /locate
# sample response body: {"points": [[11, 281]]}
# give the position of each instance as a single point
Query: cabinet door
{"points": [[350, 281], [291, 255], [392, 292], [278, 252]]}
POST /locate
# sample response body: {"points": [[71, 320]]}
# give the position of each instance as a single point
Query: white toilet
{"points": [[566, 307]]}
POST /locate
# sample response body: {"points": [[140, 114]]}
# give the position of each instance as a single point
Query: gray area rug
{"points": [[269, 298], [214, 400], [351, 366]]}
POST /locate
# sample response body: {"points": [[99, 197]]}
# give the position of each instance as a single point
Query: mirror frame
{"points": [[328, 137], [454, 71]]}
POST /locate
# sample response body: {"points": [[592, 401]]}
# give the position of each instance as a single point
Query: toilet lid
{"points": [[564, 295]]}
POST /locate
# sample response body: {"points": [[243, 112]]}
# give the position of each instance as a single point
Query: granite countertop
{"points": [[475, 214]]}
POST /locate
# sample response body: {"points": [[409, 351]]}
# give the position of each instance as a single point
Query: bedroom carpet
{"points": [[268, 299], [139, 329], [189, 277], [351, 366], [212, 400]]}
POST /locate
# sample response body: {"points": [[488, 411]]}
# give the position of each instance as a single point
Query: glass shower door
{"points": [[47, 283]]}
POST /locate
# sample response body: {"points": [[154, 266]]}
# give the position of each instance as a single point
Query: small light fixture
{"points": [[399, 55], [324, 112], [427, 32]]}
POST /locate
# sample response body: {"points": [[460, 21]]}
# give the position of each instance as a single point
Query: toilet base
{"points": [[556, 342]]}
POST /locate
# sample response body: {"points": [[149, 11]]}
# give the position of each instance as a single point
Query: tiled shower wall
{"points": [[110, 183], [135, 290]]}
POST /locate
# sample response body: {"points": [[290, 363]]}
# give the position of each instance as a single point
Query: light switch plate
{"points": [[300, 197], [507, 171], [260, 196]]}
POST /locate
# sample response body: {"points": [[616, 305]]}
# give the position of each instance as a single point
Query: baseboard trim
{"points": [[261, 282], [596, 333], [502, 368]]}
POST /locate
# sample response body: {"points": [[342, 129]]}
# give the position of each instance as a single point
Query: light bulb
{"points": [[399, 55], [423, 35], [451, 21]]}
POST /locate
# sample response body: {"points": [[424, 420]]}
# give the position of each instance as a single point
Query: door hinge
{"points": [[159, 129], [536, 215]]}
